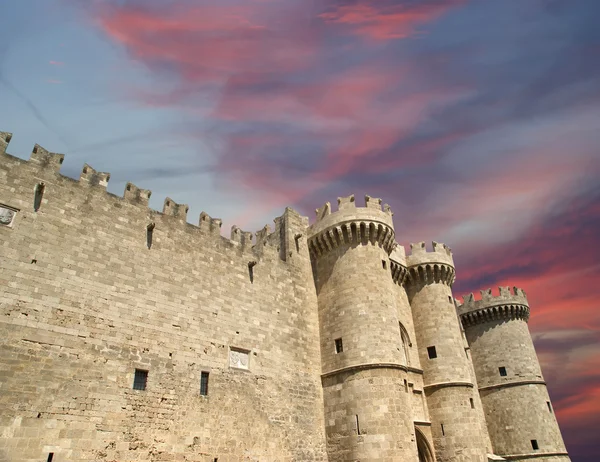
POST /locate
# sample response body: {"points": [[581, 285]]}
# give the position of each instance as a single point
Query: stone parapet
{"points": [[351, 225], [507, 305], [47, 165]]}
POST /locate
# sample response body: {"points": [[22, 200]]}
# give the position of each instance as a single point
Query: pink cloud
{"points": [[384, 20], [56, 63]]}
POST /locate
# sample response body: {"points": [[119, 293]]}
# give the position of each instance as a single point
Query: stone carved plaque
{"points": [[6, 216], [238, 358]]}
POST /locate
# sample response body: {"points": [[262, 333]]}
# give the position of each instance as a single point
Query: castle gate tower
{"points": [[456, 425], [367, 409], [518, 411]]}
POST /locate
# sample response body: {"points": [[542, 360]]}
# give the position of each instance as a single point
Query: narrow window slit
{"points": [[472, 403], [204, 383], [149, 232], [297, 240], [502, 371], [251, 271], [50, 457], [339, 346], [384, 264], [443, 432], [357, 425], [38, 193], [549, 406]]}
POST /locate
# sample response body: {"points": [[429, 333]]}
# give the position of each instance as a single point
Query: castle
{"points": [[131, 335]]}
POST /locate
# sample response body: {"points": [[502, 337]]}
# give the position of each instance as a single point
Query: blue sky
{"points": [[477, 121]]}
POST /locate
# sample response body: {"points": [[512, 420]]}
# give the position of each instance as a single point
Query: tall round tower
{"points": [[456, 427], [367, 405], [518, 411]]}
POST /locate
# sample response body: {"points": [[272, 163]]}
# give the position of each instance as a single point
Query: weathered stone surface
{"points": [[315, 338]]}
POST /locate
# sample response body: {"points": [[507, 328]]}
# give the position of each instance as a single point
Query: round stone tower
{"points": [[367, 406], [518, 411], [456, 427]]}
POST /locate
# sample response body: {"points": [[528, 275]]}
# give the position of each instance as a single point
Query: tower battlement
{"points": [[507, 304], [351, 225]]}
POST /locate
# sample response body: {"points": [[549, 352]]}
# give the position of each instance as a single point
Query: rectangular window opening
{"points": [[140, 379], [384, 264], [443, 432], [502, 371], [549, 406], [467, 352], [472, 403], [50, 457], [431, 352], [339, 346], [406, 385], [204, 383], [450, 298], [534, 445], [357, 426]]}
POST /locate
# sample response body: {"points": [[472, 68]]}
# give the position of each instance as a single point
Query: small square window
{"points": [[140, 379], [534, 445], [502, 371], [339, 346], [431, 352], [204, 383]]}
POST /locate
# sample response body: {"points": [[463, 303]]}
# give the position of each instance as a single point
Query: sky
{"points": [[477, 121]]}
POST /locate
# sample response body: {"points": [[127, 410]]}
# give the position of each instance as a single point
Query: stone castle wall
{"points": [[85, 303], [99, 290]]}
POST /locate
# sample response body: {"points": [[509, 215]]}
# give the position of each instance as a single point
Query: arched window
{"points": [[406, 344]]}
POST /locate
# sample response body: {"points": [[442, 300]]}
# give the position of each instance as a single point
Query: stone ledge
{"points": [[359, 367], [448, 384], [513, 384]]}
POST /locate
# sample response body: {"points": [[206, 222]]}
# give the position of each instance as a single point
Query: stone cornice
{"points": [[352, 232], [512, 384], [430, 273], [359, 367], [494, 313], [399, 272]]}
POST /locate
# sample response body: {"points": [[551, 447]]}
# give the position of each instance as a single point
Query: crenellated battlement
{"points": [[351, 225], [92, 177], [507, 304], [429, 267], [46, 164]]}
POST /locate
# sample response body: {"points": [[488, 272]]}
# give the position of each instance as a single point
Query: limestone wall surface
{"points": [[86, 302]]}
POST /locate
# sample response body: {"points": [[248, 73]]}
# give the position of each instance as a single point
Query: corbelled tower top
{"points": [[507, 305], [352, 225]]}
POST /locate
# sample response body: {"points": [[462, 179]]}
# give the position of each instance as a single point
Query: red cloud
{"points": [[207, 44], [385, 22]]}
